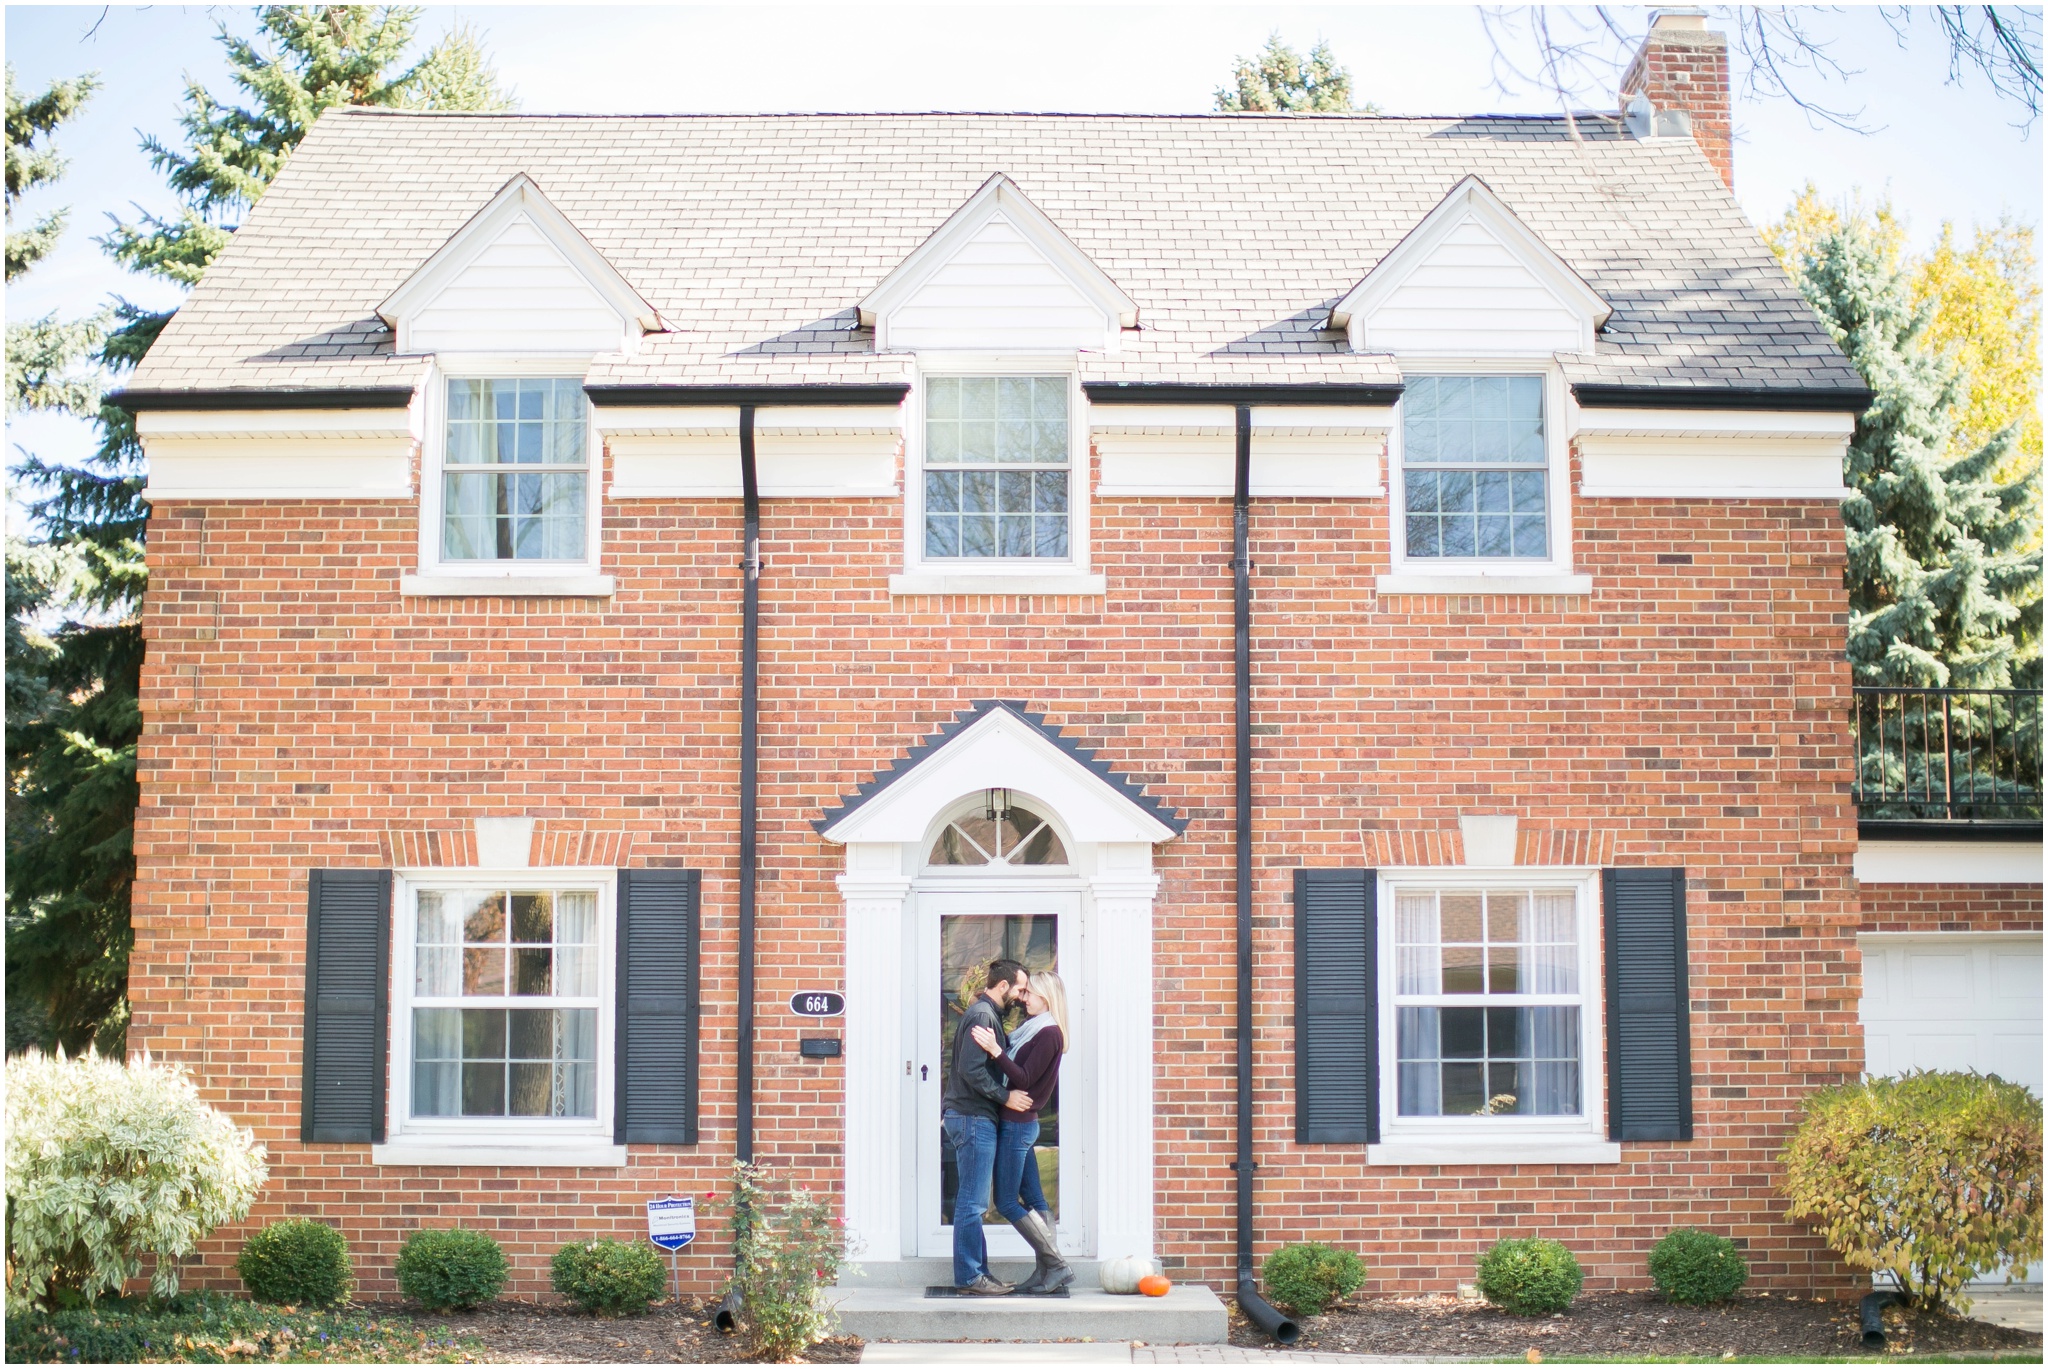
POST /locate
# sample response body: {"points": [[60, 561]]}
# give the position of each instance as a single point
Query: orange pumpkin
{"points": [[1154, 1285]]}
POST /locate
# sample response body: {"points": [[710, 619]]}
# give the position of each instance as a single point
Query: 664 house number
{"points": [[817, 1003]]}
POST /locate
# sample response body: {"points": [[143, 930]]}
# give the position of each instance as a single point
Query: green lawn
{"points": [[213, 1328]]}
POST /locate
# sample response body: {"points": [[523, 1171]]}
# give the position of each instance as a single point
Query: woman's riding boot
{"points": [[1052, 1273]]}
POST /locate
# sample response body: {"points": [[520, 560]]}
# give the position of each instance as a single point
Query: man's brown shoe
{"points": [[986, 1287]]}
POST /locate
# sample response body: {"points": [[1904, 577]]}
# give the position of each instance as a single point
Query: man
{"points": [[976, 1094]]}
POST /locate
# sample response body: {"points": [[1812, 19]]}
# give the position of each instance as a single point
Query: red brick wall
{"points": [[1688, 69], [300, 713], [1951, 907]]}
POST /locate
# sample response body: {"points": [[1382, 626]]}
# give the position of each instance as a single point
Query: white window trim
{"points": [[1580, 1140], [468, 579], [580, 1142], [992, 575], [1487, 575]]}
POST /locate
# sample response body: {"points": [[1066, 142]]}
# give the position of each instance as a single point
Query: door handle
{"points": [[924, 1072]]}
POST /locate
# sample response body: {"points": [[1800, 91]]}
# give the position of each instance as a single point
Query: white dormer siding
{"points": [[519, 277], [998, 275], [997, 290], [1473, 295], [1471, 279], [518, 294]]}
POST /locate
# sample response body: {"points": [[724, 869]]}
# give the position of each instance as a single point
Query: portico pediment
{"points": [[997, 744]]}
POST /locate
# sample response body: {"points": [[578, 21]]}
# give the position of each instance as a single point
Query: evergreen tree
{"points": [[1944, 584], [72, 788], [1278, 81]]}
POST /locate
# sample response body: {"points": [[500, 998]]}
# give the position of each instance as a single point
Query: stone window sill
{"points": [[507, 586], [1067, 582], [1485, 584], [449, 1150], [1495, 1150]]}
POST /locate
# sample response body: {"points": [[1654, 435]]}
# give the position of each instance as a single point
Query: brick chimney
{"points": [[1677, 86]]}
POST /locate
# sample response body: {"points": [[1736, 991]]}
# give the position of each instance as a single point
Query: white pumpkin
{"points": [[1121, 1276]]}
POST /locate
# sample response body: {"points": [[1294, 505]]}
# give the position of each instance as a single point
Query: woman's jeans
{"points": [[1016, 1176], [974, 1152]]}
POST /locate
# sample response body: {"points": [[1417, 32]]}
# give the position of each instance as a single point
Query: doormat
{"points": [[947, 1290]]}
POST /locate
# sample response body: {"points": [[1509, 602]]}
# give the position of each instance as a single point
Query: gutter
{"points": [[137, 401], [728, 1314], [725, 396], [1262, 1313], [1149, 392], [1745, 397]]}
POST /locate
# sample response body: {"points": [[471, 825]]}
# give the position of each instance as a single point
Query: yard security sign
{"points": [[672, 1222]]}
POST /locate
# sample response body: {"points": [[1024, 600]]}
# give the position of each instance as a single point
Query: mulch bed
{"points": [[532, 1333], [1637, 1325]]}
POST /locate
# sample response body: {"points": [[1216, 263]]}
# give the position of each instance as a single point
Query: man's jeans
{"points": [[974, 1152], [1016, 1180]]}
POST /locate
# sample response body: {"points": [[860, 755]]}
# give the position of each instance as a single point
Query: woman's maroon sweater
{"points": [[1036, 1071]]}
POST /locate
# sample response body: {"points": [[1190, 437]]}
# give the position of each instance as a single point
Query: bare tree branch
{"points": [[2001, 43]]}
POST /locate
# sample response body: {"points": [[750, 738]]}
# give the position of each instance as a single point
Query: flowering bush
{"points": [[1932, 1177], [108, 1162]]}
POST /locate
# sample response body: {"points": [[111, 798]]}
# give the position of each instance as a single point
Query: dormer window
{"points": [[997, 468], [514, 481]]}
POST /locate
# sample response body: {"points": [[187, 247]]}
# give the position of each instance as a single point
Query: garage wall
{"points": [[1951, 908]]}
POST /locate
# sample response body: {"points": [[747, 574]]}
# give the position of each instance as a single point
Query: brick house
{"points": [[1368, 590]]}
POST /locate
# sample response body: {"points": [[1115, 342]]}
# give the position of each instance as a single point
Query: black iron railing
{"points": [[1953, 755]]}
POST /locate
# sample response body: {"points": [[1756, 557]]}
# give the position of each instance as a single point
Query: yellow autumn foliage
{"points": [[1986, 298]]}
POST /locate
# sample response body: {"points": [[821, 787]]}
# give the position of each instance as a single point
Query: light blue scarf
{"points": [[1030, 1027]]}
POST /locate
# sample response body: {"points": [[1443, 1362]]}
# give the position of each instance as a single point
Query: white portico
{"points": [[1083, 896]]}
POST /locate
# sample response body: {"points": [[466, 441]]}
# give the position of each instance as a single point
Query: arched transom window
{"points": [[998, 833]]}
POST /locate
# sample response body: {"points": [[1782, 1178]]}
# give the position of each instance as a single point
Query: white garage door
{"points": [[1953, 1002]]}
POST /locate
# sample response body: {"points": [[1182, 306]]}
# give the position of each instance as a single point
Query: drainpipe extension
{"points": [[727, 1316], [1874, 1305], [1262, 1313]]}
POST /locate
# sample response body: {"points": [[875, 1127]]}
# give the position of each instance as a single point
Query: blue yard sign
{"points": [[672, 1222]]}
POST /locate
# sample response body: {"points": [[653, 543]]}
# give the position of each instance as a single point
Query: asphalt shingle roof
{"points": [[756, 235]]}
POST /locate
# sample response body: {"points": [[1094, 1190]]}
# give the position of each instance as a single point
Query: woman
{"points": [[1033, 1068]]}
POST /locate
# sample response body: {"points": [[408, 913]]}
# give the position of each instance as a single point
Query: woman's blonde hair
{"points": [[1047, 985]]}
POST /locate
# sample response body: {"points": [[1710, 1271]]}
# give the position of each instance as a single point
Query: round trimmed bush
{"points": [[1529, 1277], [1308, 1277], [1697, 1267], [609, 1277], [297, 1263], [456, 1269]]}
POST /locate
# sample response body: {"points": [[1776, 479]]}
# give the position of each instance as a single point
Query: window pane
{"points": [[533, 972], [483, 915], [533, 918], [978, 535], [483, 971], [1487, 1061], [1461, 913], [483, 1089], [941, 536], [1415, 943], [1488, 425], [576, 918]]}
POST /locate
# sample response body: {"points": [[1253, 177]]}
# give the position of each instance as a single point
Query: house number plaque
{"points": [[817, 1003]]}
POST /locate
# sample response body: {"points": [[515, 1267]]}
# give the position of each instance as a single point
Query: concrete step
{"points": [[1188, 1315], [922, 1273]]}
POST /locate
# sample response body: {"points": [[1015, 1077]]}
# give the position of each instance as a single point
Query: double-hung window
{"points": [[1488, 1002], [1475, 469], [505, 1010], [998, 469], [515, 472]]}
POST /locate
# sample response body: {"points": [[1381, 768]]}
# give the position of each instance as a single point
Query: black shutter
{"points": [[1336, 1007], [348, 979], [1649, 1046], [655, 1094]]}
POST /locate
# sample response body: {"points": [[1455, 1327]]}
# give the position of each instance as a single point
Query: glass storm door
{"points": [[959, 934]]}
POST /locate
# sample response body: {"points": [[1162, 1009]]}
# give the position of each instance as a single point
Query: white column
{"points": [[1120, 925], [874, 888]]}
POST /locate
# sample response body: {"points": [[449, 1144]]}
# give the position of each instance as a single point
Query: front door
{"points": [[959, 933]]}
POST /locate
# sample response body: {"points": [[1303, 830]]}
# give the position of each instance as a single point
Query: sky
{"points": [[1939, 151]]}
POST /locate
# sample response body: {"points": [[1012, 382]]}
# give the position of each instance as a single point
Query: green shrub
{"points": [[215, 1328], [1934, 1178], [1308, 1277], [450, 1269], [781, 1260], [297, 1262], [1529, 1278], [1697, 1267], [609, 1277], [108, 1162]]}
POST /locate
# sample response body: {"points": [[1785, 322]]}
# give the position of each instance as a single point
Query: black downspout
{"points": [[727, 1316], [1262, 1313]]}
